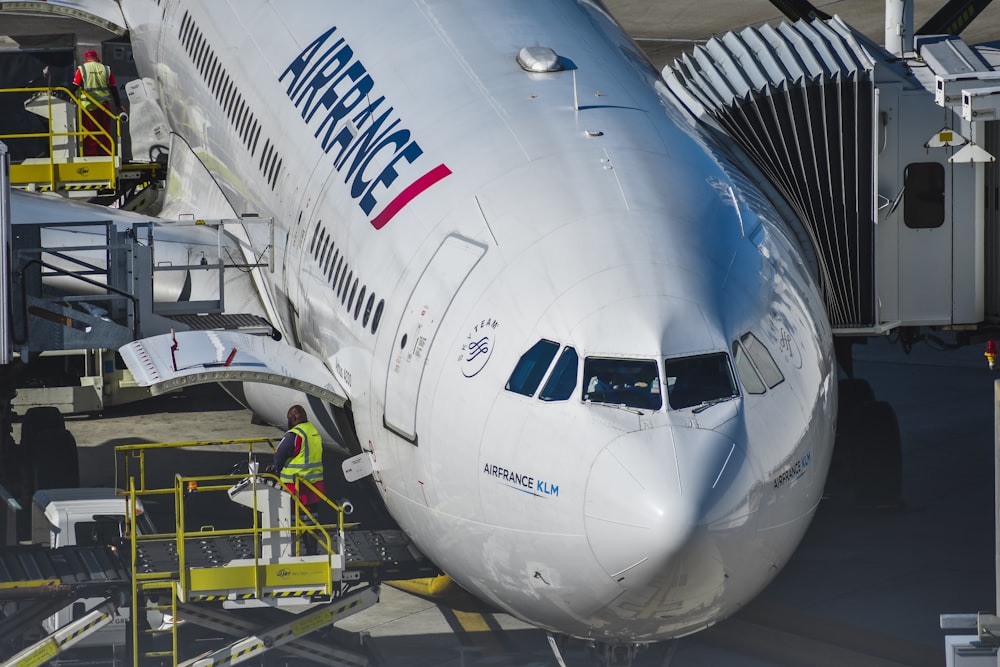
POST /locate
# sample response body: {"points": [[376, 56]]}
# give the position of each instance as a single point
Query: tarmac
{"points": [[865, 587], [665, 30]]}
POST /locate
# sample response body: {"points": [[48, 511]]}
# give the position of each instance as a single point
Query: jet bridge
{"points": [[889, 161], [87, 280]]}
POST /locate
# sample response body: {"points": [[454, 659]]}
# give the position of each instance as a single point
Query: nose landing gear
{"points": [[602, 654]]}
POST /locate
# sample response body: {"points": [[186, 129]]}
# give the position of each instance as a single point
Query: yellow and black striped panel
{"points": [[71, 188], [235, 655], [83, 630], [303, 593]]}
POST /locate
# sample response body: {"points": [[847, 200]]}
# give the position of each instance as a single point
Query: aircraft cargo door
{"points": [[428, 303]]}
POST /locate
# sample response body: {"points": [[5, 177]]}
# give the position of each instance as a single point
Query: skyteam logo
{"points": [[333, 91], [477, 348]]}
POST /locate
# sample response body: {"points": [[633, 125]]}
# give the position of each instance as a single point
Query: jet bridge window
{"points": [[700, 380], [562, 381], [631, 382], [531, 367], [923, 195]]}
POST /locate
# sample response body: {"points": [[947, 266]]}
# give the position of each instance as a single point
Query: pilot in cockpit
{"points": [[600, 382]]}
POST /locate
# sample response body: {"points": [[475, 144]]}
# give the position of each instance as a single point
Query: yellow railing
{"points": [[207, 484], [127, 457], [131, 472], [65, 166], [130, 457]]}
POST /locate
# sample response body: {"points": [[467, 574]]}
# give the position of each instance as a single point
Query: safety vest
{"points": [[94, 78], [308, 463]]}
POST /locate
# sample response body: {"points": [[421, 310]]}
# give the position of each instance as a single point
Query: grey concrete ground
{"points": [[665, 29]]}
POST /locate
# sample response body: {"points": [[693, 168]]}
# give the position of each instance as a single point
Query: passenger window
{"points": [[531, 367], [631, 382], [701, 380], [763, 360], [748, 374], [562, 382]]}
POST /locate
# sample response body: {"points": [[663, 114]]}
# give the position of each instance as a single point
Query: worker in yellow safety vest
{"points": [[99, 82], [300, 454]]}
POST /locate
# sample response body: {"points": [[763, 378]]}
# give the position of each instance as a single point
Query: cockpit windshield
{"points": [[631, 382], [705, 379]]}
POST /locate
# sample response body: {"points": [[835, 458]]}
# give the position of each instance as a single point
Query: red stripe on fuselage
{"points": [[407, 195]]}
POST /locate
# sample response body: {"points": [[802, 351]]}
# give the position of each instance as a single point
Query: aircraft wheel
{"points": [[877, 456]]}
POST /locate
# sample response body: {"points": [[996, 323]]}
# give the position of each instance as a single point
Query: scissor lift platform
{"points": [[370, 554], [242, 581]]}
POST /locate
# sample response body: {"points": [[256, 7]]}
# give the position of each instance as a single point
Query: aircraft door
{"points": [[428, 303]]}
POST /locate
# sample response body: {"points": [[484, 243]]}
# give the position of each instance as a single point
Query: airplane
{"points": [[572, 334]]}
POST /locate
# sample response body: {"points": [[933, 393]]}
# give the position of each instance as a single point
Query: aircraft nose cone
{"points": [[646, 493]]}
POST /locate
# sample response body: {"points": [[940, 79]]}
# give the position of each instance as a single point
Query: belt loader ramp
{"points": [[145, 599], [42, 581]]}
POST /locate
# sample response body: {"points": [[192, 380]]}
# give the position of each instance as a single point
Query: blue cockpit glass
{"points": [[531, 367], [631, 382], [698, 380], [562, 381]]}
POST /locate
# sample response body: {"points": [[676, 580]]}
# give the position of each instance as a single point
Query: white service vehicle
{"points": [[87, 517]]}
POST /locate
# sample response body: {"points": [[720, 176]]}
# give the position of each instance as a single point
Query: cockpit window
{"points": [[562, 382], [631, 382], [763, 360], [531, 367], [748, 374], [701, 380]]}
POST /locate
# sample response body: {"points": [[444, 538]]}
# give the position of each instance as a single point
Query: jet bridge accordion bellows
{"points": [[800, 100]]}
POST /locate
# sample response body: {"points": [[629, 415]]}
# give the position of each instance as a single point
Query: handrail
{"points": [[109, 144], [141, 449], [84, 111], [319, 494], [305, 522]]}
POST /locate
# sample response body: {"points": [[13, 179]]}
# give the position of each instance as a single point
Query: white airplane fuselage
{"points": [[439, 211]]}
